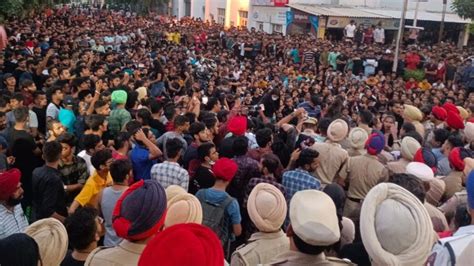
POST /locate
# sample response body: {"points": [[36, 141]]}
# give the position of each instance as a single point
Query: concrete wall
{"points": [[267, 16], [198, 9]]}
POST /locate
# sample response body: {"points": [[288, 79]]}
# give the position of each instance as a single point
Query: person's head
{"points": [[21, 114], [207, 152], [269, 164], [96, 123], [440, 135], [410, 183], [27, 255], [213, 104], [83, 228], [55, 128], [122, 141], [181, 123], [174, 148], [39, 99], [52, 151], [16, 101], [102, 160], [11, 192], [144, 116], [366, 117], [68, 142], [240, 146], [264, 137], [267, 207], [308, 160], [56, 93], [120, 170], [199, 132], [92, 143], [450, 143], [406, 128], [102, 107]]}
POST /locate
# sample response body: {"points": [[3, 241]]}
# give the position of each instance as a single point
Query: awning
{"points": [[422, 15], [328, 11]]}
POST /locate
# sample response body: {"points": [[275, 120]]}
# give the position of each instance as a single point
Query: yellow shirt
{"points": [[177, 38], [94, 184]]}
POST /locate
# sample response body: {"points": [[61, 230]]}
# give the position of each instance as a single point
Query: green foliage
{"points": [[464, 8], [10, 8], [417, 74]]}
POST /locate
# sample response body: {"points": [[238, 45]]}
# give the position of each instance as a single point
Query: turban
{"points": [[9, 181], [140, 211], [436, 191], [413, 113], [409, 146], [237, 125], [347, 231], [375, 144], [119, 97], [183, 244], [183, 208], [267, 208], [463, 112], [142, 93], [426, 156], [337, 130], [395, 227], [421, 171], [469, 131], [456, 158], [439, 113], [454, 121], [224, 169], [313, 218], [173, 191], [470, 190], [51, 236], [357, 138], [450, 107]]}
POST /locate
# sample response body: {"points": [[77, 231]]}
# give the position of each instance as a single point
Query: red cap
{"points": [[454, 121], [183, 244], [439, 113], [456, 158], [224, 169], [450, 107], [9, 183], [237, 125]]}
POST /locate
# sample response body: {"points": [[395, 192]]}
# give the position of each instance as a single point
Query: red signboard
{"points": [[280, 2]]}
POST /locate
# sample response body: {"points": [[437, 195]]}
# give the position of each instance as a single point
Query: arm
{"points": [[237, 229], [155, 152], [73, 207]]}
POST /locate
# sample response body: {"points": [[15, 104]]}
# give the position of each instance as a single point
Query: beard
{"points": [[14, 201]]}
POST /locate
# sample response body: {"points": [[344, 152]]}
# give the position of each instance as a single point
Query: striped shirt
{"points": [[12, 222]]}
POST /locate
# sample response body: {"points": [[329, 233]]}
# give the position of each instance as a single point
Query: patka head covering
{"points": [[439, 113], [182, 209], [463, 112], [267, 208], [436, 191], [9, 181], [469, 131], [413, 113], [51, 236], [119, 97], [456, 158], [454, 121], [375, 143], [337, 130], [409, 146], [395, 226], [426, 156], [237, 125], [421, 171], [224, 169], [173, 191], [450, 107], [183, 244], [357, 138], [313, 218], [141, 210]]}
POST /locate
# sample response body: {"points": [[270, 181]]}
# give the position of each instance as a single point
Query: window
{"points": [[221, 16], [277, 28], [260, 26], [243, 16]]}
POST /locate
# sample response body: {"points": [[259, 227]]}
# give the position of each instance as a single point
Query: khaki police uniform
{"points": [[453, 183], [332, 157], [295, 258], [397, 167], [126, 253], [440, 224], [449, 207]]}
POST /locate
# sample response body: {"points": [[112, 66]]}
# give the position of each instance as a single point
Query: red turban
{"points": [[9, 183], [237, 125], [183, 244], [456, 158], [454, 121], [224, 169], [450, 107], [439, 113]]}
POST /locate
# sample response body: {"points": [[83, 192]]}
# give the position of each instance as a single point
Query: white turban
{"points": [[51, 237], [267, 207], [409, 148]]}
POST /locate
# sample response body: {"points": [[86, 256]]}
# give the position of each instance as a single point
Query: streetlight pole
{"points": [[441, 27], [401, 27], [416, 13]]}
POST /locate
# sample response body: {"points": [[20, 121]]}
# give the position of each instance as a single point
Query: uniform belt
{"points": [[355, 200]]}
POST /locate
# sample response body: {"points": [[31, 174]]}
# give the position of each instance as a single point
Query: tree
{"points": [[464, 8]]}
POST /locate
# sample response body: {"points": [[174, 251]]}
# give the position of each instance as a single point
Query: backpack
{"points": [[213, 216], [452, 250]]}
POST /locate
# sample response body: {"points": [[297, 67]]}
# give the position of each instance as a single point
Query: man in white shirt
{"points": [[379, 35], [349, 30]]}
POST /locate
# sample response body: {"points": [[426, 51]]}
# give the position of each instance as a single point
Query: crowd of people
{"points": [[147, 140]]}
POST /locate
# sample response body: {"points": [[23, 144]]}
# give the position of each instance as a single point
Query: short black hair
{"points": [[121, 139], [205, 150], [27, 255], [415, 135], [94, 121], [455, 141], [306, 157], [119, 170], [155, 106], [195, 128], [81, 227], [240, 145], [169, 111], [68, 138], [410, 183], [263, 137], [173, 146], [408, 127], [90, 141], [100, 158], [180, 120], [306, 248], [366, 117], [18, 96], [52, 151], [440, 135], [324, 124], [271, 162], [145, 115], [21, 114], [211, 102]]}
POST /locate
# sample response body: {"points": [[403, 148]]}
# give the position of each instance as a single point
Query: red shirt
{"points": [[412, 60]]}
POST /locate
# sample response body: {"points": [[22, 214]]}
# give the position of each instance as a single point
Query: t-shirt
{"points": [[217, 196], [70, 261], [141, 163], [41, 116], [52, 111], [350, 30]]}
